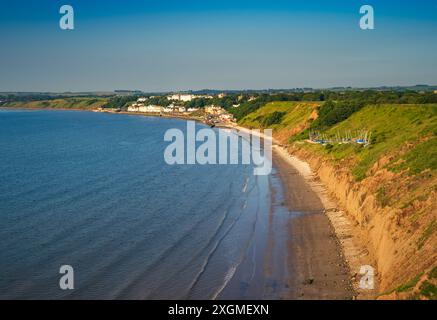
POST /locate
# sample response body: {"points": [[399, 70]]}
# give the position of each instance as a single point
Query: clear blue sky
{"points": [[191, 44]]}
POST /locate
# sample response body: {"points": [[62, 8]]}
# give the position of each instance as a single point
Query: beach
{"points": [[315, 263], [323, 252], [314, 252]]}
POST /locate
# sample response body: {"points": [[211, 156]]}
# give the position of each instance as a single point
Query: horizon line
{"points": [[224, 90]]}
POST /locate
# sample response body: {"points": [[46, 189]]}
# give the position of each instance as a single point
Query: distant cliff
{"points": [[76, 103]]}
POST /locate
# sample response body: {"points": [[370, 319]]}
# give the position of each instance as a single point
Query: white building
{"points": [[181, 97], [142, 99], [187, 97], [139, 107], [152, 108], [205, 97], [134, 107], [173, 109]]}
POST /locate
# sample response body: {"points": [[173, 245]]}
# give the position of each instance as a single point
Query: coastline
{"points": [[321, 252], [320, 270], [350, 247], [157, 115], [325, 248]]}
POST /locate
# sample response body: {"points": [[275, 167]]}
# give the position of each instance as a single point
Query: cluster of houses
{"points": [[187, 97], [139, 107], [218, 114], [213, 114]]}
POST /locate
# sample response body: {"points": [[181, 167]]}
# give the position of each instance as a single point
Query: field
{"points": [[64, 103]]}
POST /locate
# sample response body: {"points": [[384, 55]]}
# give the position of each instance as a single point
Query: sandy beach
{"points": [[314, 253], [321, 264]]}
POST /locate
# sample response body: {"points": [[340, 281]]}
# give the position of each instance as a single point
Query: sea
{"points": [[94, 192]]}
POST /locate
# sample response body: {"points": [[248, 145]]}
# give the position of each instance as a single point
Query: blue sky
{"points": [[165, 45]]}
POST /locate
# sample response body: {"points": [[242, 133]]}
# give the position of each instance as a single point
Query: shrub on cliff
{"points": [[331, 113], [272, 118]]}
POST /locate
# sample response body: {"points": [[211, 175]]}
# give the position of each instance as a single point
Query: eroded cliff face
{"points": [[399, 236]]}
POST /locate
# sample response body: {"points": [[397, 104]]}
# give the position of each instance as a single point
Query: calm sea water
{"points": [[92, 191]]}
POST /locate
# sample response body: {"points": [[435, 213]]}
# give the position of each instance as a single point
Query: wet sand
{"points": [[264, 273], [295, 253], [317, 267], [298, 256]]}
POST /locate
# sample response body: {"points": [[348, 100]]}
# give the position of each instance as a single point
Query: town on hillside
{"points": [[177, 105]]}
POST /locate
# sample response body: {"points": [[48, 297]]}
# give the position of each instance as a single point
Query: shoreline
{"points": [[320, 270], [353, 253], [320, 254], [324, 250], [323, 225], [157, 115]]}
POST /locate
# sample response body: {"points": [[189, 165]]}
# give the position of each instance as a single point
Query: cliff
{"points": [[387, 188]]}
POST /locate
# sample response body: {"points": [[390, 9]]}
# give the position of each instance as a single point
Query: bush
{"points": [[273, 118], [428, 290], [332, 113], [329, 147]]}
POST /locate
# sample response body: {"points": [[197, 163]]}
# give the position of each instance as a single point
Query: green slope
{"points": [[405, 133], [293, 114]]}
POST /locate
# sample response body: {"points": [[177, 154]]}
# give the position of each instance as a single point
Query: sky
{"points": [[165, 45]]}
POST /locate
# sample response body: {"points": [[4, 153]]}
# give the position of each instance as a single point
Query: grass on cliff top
{"points": [[278, 115], [412, 128], [83, 103]]}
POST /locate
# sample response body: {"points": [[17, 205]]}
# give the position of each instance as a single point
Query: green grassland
{"points": [[405, 132], [82, 103], [403, 141], [408, 131], [288, 115]]}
